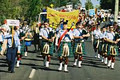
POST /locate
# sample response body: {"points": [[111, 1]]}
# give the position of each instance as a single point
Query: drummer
{"points": [[47, 35], [25, 31]]}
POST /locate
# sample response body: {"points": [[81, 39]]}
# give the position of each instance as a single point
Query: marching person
{"points": [[25, 31], [6, 30], [112, 47], [1, 39], [13, 44], [22, 45], [102, 49], [79, 46], [36, 36], [96, 34], [64, 46], [47, 35]]}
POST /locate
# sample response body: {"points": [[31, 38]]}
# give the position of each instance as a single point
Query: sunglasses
{"points": [[45, 24]]}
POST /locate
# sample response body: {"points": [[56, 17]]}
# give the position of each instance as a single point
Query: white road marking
{"points": [[32, 73]]}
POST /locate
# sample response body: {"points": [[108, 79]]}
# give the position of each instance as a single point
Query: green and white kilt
{"points": [[60, 52], [75, 46], [112, 50], [22, 50], [51, 47]]}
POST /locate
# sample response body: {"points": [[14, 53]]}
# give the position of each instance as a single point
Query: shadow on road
{"points": [[44, 68]]}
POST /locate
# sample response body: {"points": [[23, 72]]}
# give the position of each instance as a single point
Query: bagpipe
{"points": [[84, 32], [47, 47], [59, 41]]}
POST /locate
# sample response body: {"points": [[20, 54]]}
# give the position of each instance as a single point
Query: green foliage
{"points": [[89, 5], [107, 4], [27, 9], [35, 7]]}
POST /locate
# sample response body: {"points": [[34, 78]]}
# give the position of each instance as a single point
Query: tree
{"points": [[88, 5], [107, 4], [75, 2], [97, 6], [9, 8]]}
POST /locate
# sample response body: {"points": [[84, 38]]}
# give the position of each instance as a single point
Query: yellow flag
{"points": [[56, 16]]}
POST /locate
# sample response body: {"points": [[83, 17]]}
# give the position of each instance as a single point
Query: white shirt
{"points": [[5, 26], [96, 34], [67, 37], [110, 35]]}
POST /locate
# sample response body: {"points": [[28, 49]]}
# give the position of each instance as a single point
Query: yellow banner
{"points": [[55, 17]]}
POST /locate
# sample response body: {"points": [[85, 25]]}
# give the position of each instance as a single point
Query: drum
{"points": [[28, 42]]}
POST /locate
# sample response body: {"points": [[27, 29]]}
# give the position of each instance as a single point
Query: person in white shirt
{"points": [[96, 34], [64, 45]]}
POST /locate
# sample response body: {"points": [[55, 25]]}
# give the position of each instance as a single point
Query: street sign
{"points": [[11, 22], [92, 12]]}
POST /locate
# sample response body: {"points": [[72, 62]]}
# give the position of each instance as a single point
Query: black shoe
{"points": [[47, 68], [74, 66], [66, 71], [112, 68], [12, 72], [108, 67], [9, 70], [79, 67]]}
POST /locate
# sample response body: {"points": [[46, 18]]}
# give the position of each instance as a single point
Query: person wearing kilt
{"points": [[24, 30], [22, 45], [96, 41], [64, 46], [101, 48], [79, 46], [47, 35], [112, 48]]}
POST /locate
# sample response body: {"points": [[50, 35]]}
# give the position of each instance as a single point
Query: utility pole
{"points": [[116, 10]]}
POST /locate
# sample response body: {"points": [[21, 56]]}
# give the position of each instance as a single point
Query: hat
{"points": [[64, 23], [78, 23]]}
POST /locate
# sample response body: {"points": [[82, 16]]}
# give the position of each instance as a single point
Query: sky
{"points": [[95, 2]]}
